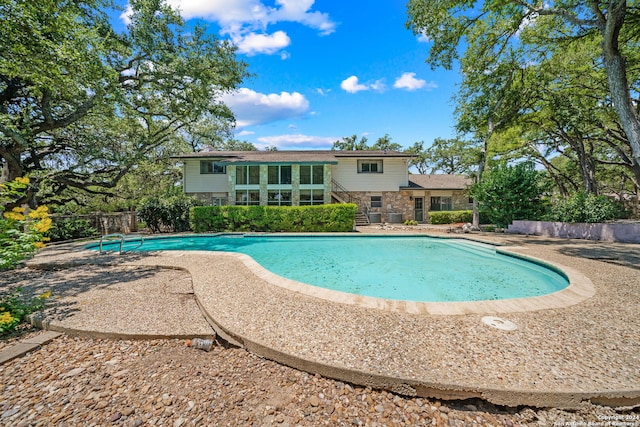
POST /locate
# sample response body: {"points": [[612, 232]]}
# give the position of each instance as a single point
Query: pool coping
{"points": [[212, 301], [579, 288]]}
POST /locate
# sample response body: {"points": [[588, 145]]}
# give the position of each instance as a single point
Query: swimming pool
{"points": [[407, 268]]}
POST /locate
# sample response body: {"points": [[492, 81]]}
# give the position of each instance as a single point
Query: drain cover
{"points": [[499, 323]]}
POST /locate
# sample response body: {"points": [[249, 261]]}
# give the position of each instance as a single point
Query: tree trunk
{"points": [[481, 165], [587, 166], [615, 66]]}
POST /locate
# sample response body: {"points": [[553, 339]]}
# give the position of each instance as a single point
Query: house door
{"points": [[418, 209]]}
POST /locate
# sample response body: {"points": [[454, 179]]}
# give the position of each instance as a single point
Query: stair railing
{"points": [[336, 187]]}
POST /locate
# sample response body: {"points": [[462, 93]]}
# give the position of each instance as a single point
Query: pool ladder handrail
{"points": [[122, 238]]}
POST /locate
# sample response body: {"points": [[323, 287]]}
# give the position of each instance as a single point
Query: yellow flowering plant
{"points": [[21, 233], [15, 306]]}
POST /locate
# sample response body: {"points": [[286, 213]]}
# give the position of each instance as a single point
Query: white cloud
{"points": [[378, 85], [253, 43], [352, 85], [225, 12], [296, 141], [245, 20], [125, 16], [423, 38], [254, 108], [245, 133], [298, 11], [408, 81]]}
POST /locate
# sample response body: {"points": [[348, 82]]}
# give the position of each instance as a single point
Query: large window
{"points": [[311, 174], [248, 197], [209, 166], [369, 166], [279, 197], [279, 174], [248, 175], [439, 203], [311, 197]]}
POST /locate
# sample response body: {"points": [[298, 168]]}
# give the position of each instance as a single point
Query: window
{"points": [[369, 166], [311, 197], [248, 197], [279, 198], [279, 174], [248, 175], [376, 201], [208, 166], [439, 203], [311, 174], [219, 201]]}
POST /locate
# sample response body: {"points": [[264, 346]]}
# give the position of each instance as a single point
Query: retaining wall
{"points": [[614, 232]]}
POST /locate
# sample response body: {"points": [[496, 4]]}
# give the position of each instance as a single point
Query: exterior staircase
{"points": [[342, 195], [362, 219]]}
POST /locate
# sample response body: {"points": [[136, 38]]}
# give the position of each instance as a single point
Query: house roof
{"points": [[290, 156], [439, 182]]}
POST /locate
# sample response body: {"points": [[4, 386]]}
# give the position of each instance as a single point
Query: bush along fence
{"points": [[454, 217], [321, 218], [69, 227]]}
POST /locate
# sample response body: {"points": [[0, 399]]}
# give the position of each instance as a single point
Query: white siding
{"points": [[195, 182], [395, 174]]}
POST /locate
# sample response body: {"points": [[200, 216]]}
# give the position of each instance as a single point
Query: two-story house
{"points": [[377, 181]]}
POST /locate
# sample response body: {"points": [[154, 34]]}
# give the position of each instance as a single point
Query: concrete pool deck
{"points": [[557, 357]]}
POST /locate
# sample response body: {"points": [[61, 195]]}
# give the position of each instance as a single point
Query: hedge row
{"points": [[327, 218], [450, 217]]}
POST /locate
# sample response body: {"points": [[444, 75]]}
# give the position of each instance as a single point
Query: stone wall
{"points": [[614, 232], [392, 202]]}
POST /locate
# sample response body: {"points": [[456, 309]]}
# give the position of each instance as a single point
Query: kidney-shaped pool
{"points": [[409, 268]]}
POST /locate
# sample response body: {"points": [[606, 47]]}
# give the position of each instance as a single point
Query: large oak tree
{"points": [[496, 41], [82, 103]]}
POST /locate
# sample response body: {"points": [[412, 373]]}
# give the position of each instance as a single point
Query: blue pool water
{"points": [[399, 268]]}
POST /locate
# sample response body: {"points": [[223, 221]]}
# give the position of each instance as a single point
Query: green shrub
{"points": [[21, 232], [582, 207], [15, 307], [170, 214], [508, 193], [450, 217], [69, 229], [326, 218]]}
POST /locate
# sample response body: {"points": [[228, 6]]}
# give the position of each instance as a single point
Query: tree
{"points": [[81, 105], [384, 144], [419, 159], [509, 193], [492, 31], [452, 156], [351, 143]]}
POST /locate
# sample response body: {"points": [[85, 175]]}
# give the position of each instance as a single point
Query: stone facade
{"points": [[392, 202], [402, 202]]}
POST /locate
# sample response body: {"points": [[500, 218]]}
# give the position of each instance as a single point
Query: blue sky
{"points": [[329, 69]]}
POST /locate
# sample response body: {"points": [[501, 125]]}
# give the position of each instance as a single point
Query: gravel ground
{"points": [[90, 382], [99, 382]]}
